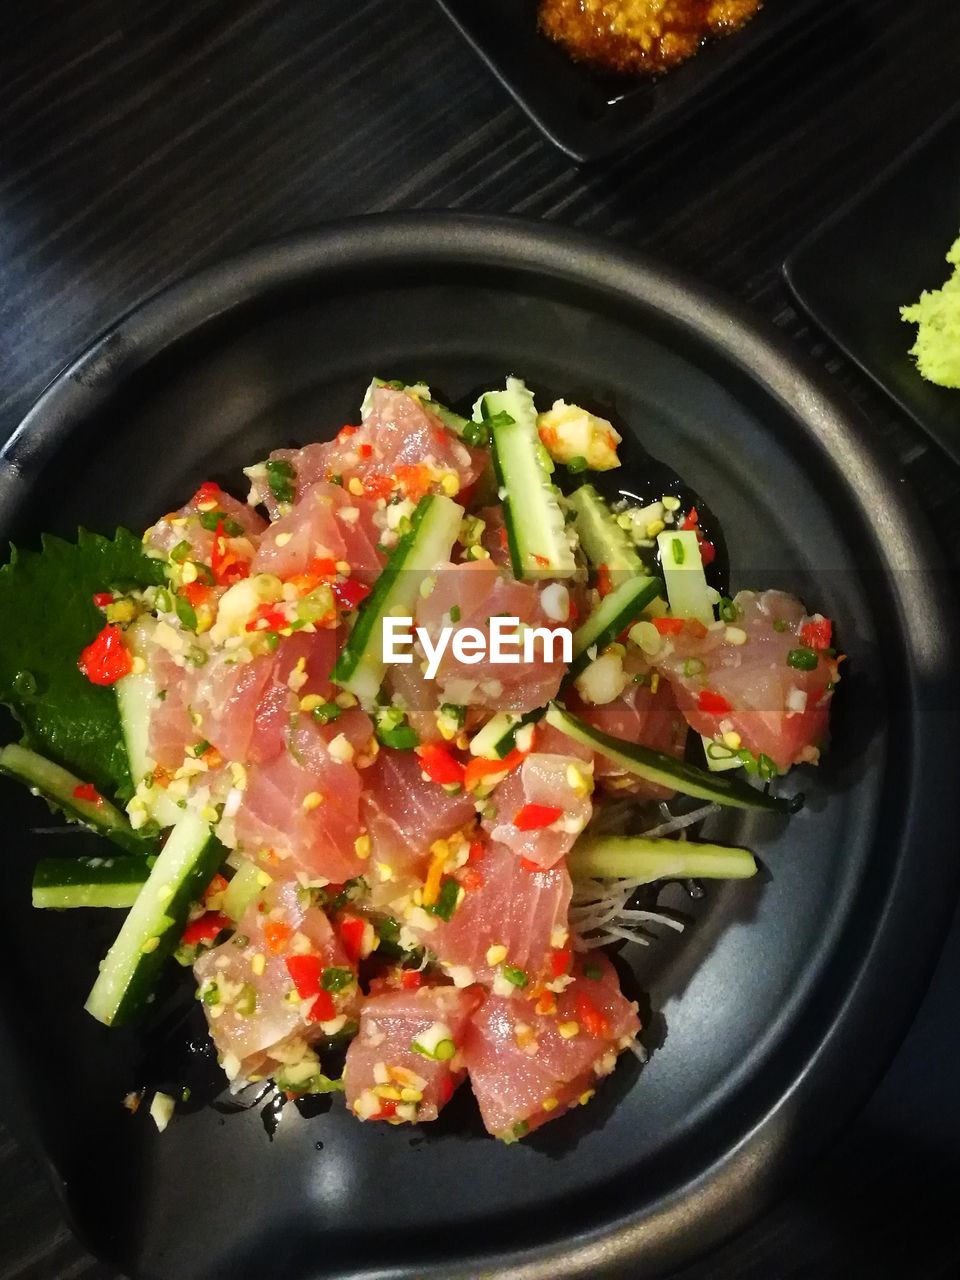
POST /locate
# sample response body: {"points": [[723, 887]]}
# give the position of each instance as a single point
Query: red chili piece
{"points": [[532, 817], [713, 704], [107, 659], [206, 927]]}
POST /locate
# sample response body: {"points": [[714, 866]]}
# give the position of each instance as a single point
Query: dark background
{"points": [[139, 141]]}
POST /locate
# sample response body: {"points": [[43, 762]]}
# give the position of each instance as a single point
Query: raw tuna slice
{"points": [[405, 1062], [640, 716], [404, 815], [765, 677], [543, 785], [417, 697], [301, 666], [263, 990], [306, 467], [480, 592], [402, 446], [508, 914], [301, 810], [528, 1067], [184, 525], [309, 532], [172, 730]]}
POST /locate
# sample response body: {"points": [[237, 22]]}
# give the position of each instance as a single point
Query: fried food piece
{"points": [[644, 36]]}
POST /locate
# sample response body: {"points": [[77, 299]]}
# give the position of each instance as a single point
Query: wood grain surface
{"points": [[139, 141]]}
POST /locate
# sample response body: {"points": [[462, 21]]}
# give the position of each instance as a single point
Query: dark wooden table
{"points": [[139, 141]]}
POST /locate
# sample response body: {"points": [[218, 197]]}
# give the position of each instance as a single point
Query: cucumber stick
{"points": [[59, 787], [665, 771], [642, 858], [246, 885], [536, 529], [682, 569], [152, 928], [136, 700], [602, 539], [433, 530], [498, 737], [617, 610], [88, 882]]}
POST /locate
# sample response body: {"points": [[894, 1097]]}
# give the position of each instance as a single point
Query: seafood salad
{"points": [[351, 812]]}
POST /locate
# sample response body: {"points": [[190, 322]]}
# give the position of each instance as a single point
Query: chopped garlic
{"points": [[161, 1110]]}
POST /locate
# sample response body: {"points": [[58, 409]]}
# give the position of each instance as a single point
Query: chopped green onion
{"points": [[180, 552], [455, 613], [445, 1051], [694, 667], [202, 746], [577, 464], [211, 994], [516, 976], [403, 738], [779, 624], [316, 605], [186, 613], [451, 711], [476, 434], [447, 899], [326, 712], [679, 554], [280, 477], [334, 979], [592, 971], [803, 659], [728, 611]]}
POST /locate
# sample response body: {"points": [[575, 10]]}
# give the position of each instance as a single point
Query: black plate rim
{"points": [[855, 1046], [791, 265]]}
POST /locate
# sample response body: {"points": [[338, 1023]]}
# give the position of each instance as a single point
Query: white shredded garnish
{"points": [[600, 912]]}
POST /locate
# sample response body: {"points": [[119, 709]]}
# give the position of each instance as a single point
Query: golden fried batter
{"points": [[640, 35]]}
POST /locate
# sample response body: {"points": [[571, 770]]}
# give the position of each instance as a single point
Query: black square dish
{"points": [[878, 253], [590, 115]]}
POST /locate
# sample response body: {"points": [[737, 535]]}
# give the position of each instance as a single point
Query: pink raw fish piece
{"points": [[777, 710], [505, 905], [554, 781], [280, 812], [310, 531], [524, 1072], [274, 1019], [403, 814], [480, 591], [389, 1024], [165, 534]]}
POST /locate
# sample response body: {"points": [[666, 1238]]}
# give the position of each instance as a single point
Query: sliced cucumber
{"points": [[665, 771], [433, 530], [452, 420], [58, 788], [536, 530], [152, 928], [642, 858], [136, 700], [244, 888], [682, 569], [617, 610], [88, 882], [486, 742], [719, 757], [603, 541]]}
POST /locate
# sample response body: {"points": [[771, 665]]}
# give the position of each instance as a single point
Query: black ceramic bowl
{"points": [[774, 1013]]}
